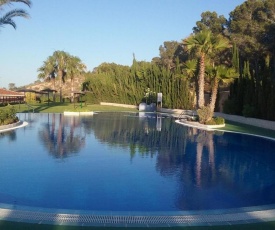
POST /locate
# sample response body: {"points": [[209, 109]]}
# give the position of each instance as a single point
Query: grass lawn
{"points": [[242, 128], [61, 107]]}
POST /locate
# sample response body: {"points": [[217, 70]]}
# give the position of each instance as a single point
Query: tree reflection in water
{"points": [[62, 136], [11, 135], [211, 170], [201, 161]]}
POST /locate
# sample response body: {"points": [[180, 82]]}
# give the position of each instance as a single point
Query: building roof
{"points": [[9, 93]]}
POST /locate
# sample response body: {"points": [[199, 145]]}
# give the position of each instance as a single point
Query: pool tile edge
{"points": [[95, 219]]}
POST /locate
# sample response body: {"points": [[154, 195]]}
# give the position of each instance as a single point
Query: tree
{"points": [[47, 72], [247, 26], [211, 21], [251, 27], [12, 86], [167, 53], [7, 18], [123, 84], [61, 60], [203, 44], [58, 66], [217, 74], [74, 68], [190, 68]]}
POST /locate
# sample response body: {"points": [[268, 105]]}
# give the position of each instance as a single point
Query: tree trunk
{"points": [[201, 81], [60, 85], [214, 94], [54, 89], [72, 90]]}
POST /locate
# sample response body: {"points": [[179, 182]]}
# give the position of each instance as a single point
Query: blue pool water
{"points": [[132, 162]]}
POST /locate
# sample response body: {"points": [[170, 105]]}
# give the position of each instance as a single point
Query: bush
{"points": [[211, 122], [205, 114], [8, 115], [216, 121], [219, 120]]}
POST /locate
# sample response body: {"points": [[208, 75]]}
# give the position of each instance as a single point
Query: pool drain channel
{"points": [[161, 220]]}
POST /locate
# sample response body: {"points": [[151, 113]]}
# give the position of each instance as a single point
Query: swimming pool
{"points": [[132, 162]]}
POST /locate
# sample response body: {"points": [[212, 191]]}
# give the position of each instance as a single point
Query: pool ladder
{"points": [[187, 114]]}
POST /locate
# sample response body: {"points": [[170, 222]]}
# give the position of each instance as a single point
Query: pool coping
{"points": [[69, 113], [19, 124], [219, 129], [245, 215]]}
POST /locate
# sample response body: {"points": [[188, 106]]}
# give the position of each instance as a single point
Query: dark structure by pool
{"points": [[132, 162]]}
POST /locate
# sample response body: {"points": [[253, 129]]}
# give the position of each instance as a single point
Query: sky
{"points": [[96, 31]]}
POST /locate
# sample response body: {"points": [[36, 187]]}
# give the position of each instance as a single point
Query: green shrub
{"points": [[8, 115], [211, 122], [216, 121], [219, 120], [205, 114]]}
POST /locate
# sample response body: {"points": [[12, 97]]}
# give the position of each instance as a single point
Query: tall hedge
{"points": [[128, 85]]}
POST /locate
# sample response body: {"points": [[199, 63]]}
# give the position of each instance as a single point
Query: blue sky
{"points": [[97, 31]]}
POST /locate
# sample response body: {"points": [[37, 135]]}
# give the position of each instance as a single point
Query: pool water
{"points": [[132, 162]]}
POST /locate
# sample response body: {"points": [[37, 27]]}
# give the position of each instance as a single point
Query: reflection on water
{"points": [[147, 162], [11, 135], [61, 136]]}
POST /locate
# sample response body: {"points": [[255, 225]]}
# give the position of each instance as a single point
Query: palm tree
{"points": [[61, 65], [190, 68], [61, 58], [55, 67], [217, 74], [74, 68], [7, 18], [47, 72], [203, 44]]}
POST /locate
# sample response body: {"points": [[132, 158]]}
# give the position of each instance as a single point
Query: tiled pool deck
{"points": [[26, 214]]}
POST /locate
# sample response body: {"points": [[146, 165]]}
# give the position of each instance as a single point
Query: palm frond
{"points": [[4, 2], [7, 19], [16, 13]]}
